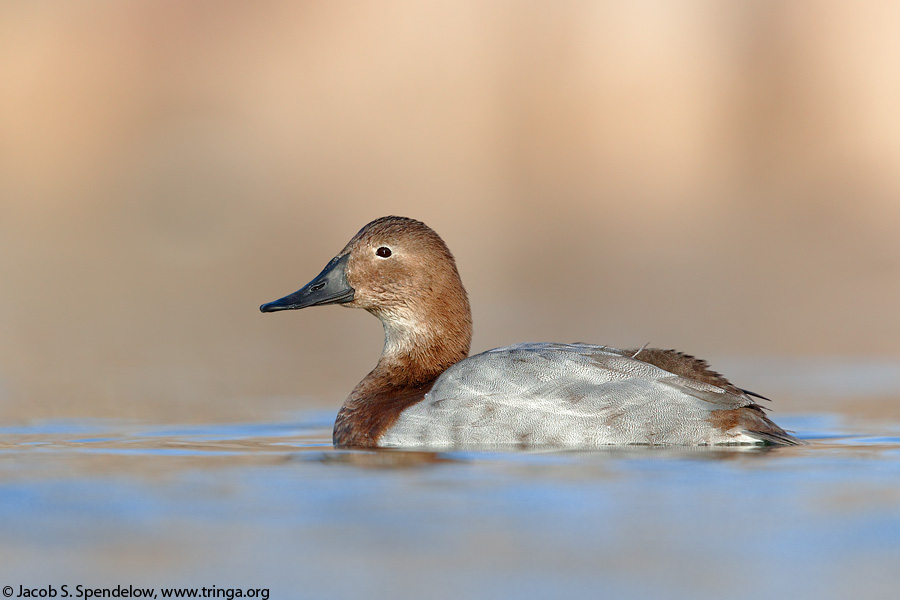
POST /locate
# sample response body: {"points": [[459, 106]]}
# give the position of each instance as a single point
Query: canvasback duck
{"points": [[426, 392]]}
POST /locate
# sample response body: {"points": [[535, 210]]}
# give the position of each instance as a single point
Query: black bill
{"points": [[329, 287]]}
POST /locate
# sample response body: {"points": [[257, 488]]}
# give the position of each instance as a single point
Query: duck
{"points": [[426, 392]]}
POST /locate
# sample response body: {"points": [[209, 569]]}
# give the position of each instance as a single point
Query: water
{"points": [[273, 506]]}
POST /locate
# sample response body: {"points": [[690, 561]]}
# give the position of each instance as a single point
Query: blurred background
{"points": [[718, 177]]}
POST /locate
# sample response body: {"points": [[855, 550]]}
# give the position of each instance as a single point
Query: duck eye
{"points": [[383, 252]]}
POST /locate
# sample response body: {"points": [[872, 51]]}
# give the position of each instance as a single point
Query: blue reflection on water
{"points": [[272, 504]]}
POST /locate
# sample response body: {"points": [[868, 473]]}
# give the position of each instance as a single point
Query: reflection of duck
{"points": [[425, 392]]}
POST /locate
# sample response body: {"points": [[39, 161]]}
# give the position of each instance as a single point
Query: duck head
{"points": [[401, 271]]}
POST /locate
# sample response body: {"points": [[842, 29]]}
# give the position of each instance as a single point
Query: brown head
{"points": [[402, 272]]}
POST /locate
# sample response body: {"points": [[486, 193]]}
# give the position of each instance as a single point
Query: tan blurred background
{"points": [[720, 177]]}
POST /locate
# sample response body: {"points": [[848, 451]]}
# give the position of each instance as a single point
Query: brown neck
{"points": [[412, 359]]}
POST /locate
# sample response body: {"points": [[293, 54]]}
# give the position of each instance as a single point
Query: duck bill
{"points": [[329, 287]]}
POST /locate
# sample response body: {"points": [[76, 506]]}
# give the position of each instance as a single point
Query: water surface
{"points": [[274, 506]]}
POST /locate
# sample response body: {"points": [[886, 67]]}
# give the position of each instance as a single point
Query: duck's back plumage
{"points": [[579, 395]]}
